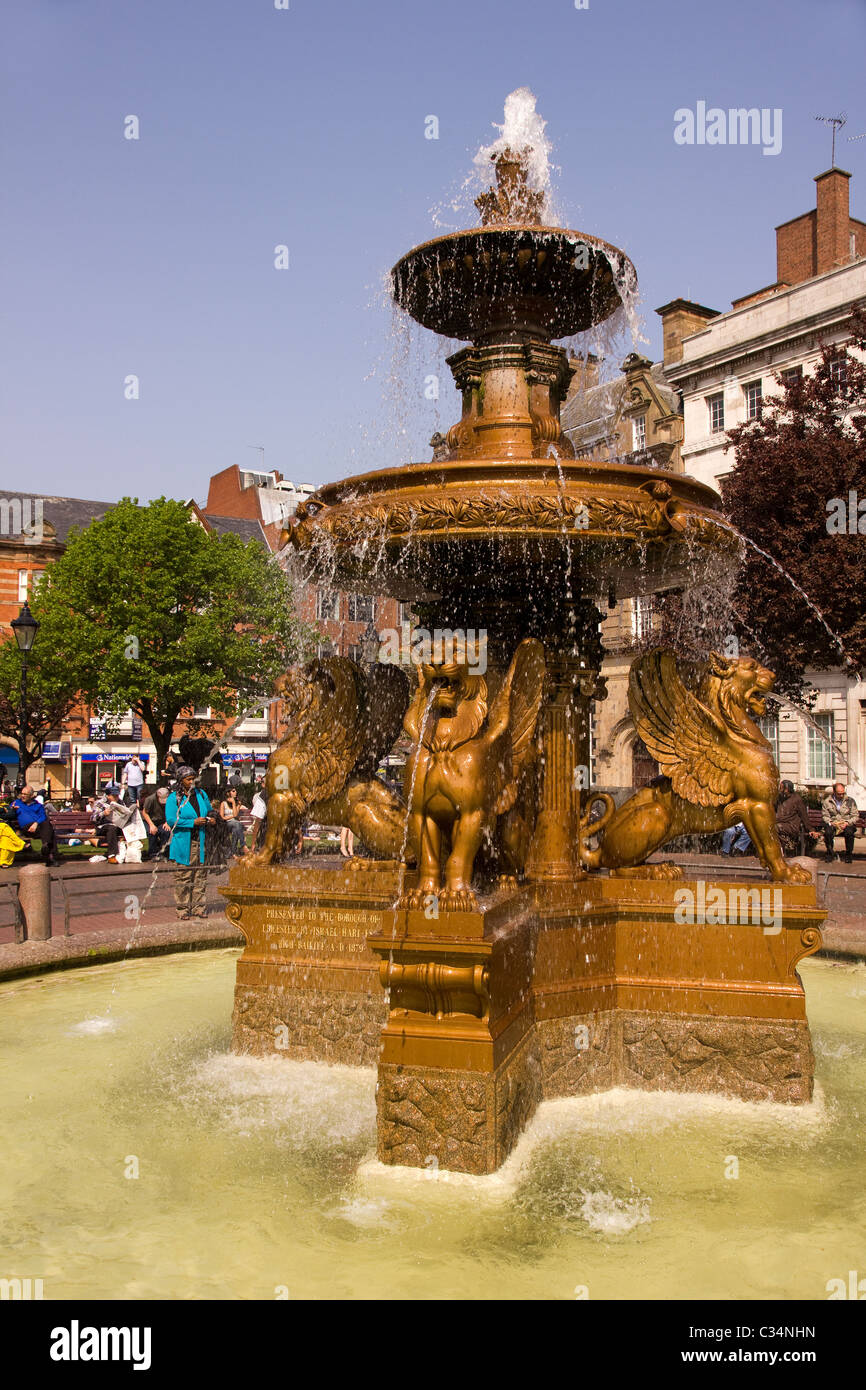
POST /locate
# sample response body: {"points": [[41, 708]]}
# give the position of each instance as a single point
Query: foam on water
{"points": [[305, 1102], [92, 1027], [610, 1215]]}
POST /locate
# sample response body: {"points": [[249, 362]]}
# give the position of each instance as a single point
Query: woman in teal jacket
{"points": [[185, 812]]}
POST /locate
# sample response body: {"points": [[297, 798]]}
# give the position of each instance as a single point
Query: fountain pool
{"points": [[257, 1177]]}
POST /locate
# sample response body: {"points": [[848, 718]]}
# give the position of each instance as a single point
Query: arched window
{"points": [[643, 765]]}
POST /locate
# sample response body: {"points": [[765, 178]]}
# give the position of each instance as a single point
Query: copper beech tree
{"points": [[798, 490]]}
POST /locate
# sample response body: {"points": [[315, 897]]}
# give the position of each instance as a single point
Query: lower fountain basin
{"points": [[255, 1180]]}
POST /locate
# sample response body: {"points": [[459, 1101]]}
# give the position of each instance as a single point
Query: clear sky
{"points": [[306, 127]]}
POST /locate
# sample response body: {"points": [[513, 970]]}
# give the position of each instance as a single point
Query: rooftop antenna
{"points": [[852, 138], [837, 123], [261, 449]]}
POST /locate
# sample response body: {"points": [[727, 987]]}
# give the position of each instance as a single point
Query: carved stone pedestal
{"points": [[307, 982], [458, 1072], [550, 990], [571, 990]]}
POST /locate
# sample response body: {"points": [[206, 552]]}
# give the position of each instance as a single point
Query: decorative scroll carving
{"points": [[437, 989], [538, 511], [810, 942]]}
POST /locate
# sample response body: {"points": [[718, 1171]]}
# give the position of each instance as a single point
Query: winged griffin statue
{"points": [[340, 723], [469, 779], [717, 767]]}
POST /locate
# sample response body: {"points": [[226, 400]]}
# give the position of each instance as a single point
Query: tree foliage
{"points": [[796, 467], [147, 611], [50, 699]]}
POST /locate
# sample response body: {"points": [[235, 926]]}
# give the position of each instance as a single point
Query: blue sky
{"points": [[305, 127]]}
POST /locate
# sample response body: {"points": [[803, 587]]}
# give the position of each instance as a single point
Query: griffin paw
{"points": [[667, 870], [457, 900], [795, 873]]}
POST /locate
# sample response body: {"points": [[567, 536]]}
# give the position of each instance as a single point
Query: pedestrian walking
{"points": [[133, 778], [186, 813]]}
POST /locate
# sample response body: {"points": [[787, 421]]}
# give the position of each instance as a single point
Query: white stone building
{"points": [[727, 368]]}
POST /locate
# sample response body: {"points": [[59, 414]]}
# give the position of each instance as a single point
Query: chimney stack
{"points": [[833, 238], [823, 239], [680, 318]]}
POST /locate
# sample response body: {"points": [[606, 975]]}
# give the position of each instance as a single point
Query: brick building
{"points": [[348, 623]]}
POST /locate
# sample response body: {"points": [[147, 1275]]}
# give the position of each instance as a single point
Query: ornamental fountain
{"points": [[501, 947]]}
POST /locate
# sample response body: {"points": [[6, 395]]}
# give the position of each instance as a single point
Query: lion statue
{"points": [[717, 767], [467, 778], [340, 723]]}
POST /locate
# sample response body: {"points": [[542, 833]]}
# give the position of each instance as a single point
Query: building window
{"points": [[791, 374], [324, 650], [716, 407], [327, 606], [839, 372], [822, 759], [769, 726], [641, 618], [201, 712], [754, 395], [361, 608], [638, 433]]}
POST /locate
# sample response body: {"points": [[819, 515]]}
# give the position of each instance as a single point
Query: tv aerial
{"points": [[837, 123]]}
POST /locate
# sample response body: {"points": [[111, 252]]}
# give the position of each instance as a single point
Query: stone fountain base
{"points": [[543, 991]]}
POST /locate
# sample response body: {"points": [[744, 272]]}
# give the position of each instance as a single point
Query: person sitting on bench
{"points": [[839, 815], [33, 820]]}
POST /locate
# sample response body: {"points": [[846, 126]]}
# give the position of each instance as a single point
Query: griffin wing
{"points": [[325, 712], [691, 745], [387, 699], [527, 690], [515, 707]]}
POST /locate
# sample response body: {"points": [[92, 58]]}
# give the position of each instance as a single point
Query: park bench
{"points": [[71, 825]]}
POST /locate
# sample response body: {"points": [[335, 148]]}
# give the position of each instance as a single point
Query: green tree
{"points": [[50, 699], [147, 611]]}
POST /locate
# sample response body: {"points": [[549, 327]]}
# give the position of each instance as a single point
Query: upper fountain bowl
{"points": [[506, 279]]}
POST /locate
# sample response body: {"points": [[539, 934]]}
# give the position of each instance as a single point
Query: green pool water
{"points": [[257, 1178]]}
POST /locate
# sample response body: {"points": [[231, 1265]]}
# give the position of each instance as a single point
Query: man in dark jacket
{"points": [[33, 820], [792, 817]]}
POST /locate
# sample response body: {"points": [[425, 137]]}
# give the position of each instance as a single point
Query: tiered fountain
{"points": [[476, 961]]}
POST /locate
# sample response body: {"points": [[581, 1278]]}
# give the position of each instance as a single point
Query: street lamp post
{"points": [[25, 628]]}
